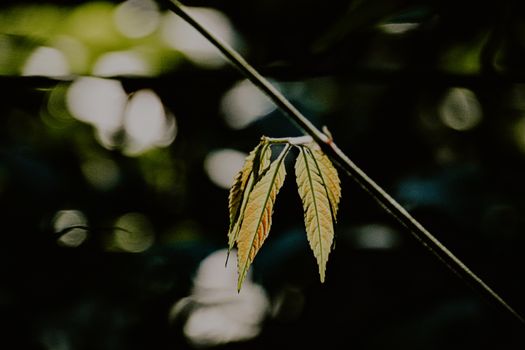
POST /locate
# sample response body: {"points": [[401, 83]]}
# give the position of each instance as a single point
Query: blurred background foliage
{"points": [[121, 130]]}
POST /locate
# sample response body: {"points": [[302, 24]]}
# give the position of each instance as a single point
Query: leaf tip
{"points": [[240, 282], [242, 271], [227, 257]]}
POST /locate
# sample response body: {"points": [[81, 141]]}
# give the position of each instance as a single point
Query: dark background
{"points": [[381, 95]]}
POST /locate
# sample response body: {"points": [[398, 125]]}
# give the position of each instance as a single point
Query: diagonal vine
{"points": [[334, 152]]}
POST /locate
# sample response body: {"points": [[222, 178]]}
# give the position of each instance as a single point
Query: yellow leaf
{"points": [[330, 178], [257, 216], [319, 191], [256, 162]]}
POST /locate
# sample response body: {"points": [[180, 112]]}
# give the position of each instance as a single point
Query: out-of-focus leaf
{"points": [[360, 15]]}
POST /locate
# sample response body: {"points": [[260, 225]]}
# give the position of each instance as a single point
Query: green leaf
{"points": [[257, 216], [320, 192], [256, 162]]}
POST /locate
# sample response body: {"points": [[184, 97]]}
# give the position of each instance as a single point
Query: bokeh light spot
{"points": [[93, 24], [77, 53], [376, 236], [398, 28], [146, 123], [137, 18], [121, 63], [57, 109], [99, 102], [182, 37], [243, 104], [133, 233], [101, 173], [73, 224], [217, 313], [46, 61], [222, 166], [460, 109]]}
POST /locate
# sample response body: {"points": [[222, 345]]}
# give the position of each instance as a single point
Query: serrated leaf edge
{"points": [[252, 171], [317, 156], [279, 166], [310, 197]]}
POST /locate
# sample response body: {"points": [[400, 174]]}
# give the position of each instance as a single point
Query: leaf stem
{"points": [[330, 148], [294, 141]]}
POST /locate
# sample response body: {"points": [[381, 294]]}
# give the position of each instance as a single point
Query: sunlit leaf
{"points": [[239, 184], [257, 161], [317, 186], [257, 218], [330, 178]]}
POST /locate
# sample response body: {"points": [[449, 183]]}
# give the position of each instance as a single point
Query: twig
{"points": [[331, 149]]}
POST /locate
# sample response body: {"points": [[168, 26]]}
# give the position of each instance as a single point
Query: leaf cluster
{"points": [[254, 192]]}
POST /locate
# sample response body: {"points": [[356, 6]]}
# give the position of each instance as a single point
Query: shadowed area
{"points": [[121, 131]]}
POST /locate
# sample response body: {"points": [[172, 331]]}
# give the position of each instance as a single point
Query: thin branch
{"points": [[240, 63], [331, 149]]}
